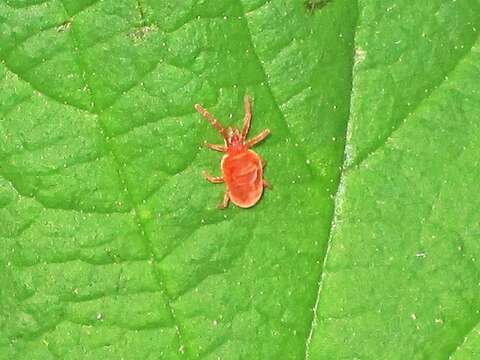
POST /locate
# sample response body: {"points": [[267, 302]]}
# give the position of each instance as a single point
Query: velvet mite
{"points": [[242, 168]]}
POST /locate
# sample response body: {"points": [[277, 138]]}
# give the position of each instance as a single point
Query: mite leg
{"points": [[267, 184], [248, 116], [213, 179], [264, 163], [226, 199], [215, 147], [214, 122], [258, 138]]}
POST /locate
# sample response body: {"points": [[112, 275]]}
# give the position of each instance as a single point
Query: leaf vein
{"points": [[398, 125], [464, 338], [301, 152]]}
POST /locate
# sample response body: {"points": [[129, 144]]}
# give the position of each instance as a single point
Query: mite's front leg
{"points": [[248, 116], [215, 123], [216, 147], [258, 138]]}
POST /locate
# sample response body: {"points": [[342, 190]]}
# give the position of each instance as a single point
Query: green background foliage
{"points": [[110, 243]]}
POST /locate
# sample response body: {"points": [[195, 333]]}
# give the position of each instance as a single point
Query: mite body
{"points": [[242, 168]]}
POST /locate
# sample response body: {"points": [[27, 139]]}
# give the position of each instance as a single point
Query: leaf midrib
{"points": [[338, 193]]}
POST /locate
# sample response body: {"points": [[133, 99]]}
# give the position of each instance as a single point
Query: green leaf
{"points": [[111, 243]]}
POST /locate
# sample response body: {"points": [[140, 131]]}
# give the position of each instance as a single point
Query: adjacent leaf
{"points": [[401, 277], [111, 245]]}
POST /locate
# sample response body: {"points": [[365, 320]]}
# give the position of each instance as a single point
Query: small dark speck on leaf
{"points": [[314, 5], [140, 33], [64, 26]]}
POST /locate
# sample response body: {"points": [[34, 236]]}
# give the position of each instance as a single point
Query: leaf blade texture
{"points": [[111, 243]]}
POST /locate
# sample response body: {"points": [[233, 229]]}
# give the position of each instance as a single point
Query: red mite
{"points": [[242, 168]]}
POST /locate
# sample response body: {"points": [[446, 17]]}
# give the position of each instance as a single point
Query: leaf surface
{"points": [[111, 243]]}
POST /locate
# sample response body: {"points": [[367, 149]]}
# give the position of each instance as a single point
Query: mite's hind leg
{"points": [[226, 199], [213, 179], [258, 138], [266, 184]]}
